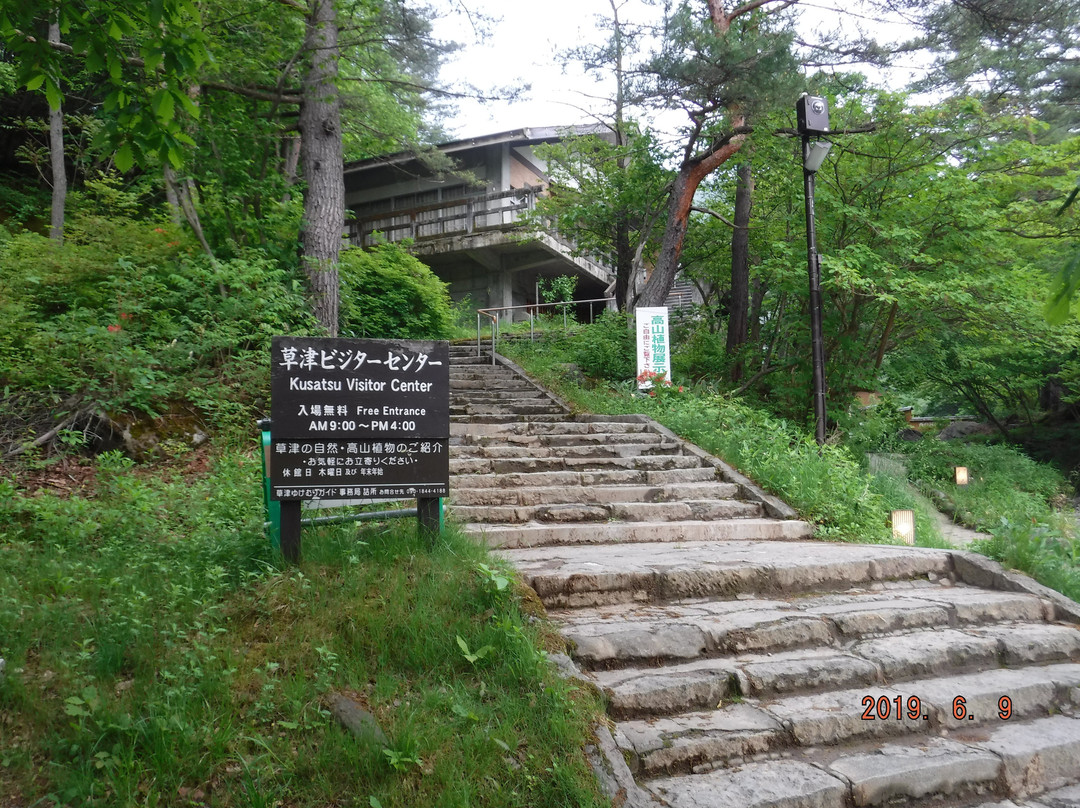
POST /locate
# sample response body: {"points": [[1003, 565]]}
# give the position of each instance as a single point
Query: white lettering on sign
{"points": [[399, 386]]}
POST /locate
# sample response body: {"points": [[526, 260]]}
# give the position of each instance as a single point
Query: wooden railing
{"points": [[471, 214]]}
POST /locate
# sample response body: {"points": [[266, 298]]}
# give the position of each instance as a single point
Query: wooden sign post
{"points": [[358, 419]]}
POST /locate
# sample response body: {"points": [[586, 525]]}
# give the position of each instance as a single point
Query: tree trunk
{"points": [[322, 163], [686, 183], [738, 319], [56, 152]]}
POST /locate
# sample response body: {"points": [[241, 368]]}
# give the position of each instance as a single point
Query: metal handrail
{"points": [[494, 312]]}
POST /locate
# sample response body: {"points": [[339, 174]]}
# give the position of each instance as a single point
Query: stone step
{"points": [[502, 418], [629, 450], [685, 566], [561, 427], [1032, 762], [524, 395], [529, 464], [954, 704], [497, 393], [559, 441], [623, 511], [620, 634], [519, 538], [515, 494], [583, 478], [703, 683], [512, 410]]}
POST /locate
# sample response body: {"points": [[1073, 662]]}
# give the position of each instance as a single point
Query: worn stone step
{"points": [[519, 538], [708, 683], [533, 464], [484, 382], [771, 784], [1024, 760], [562, 426], [630, 450], [471, 419], [625, 633], [693, 563], [586, 493], [934, 652], [500, 397], [571, 512], [515, 409], [557, 441], [703, 683], [585, 478], [739, 731]]}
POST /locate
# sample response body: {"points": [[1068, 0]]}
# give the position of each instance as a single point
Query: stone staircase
{"points": [[746, 672]]}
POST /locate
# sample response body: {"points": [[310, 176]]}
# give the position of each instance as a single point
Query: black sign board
{"points": [[359, 418]]}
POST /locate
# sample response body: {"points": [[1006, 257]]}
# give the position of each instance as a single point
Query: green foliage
{"points": [[701, 348], [1038, 549], [386, 293], [1004, 482], [125, 316], [606, 348], [153, 646]]}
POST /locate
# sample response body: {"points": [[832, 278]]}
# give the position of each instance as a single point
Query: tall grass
{"points": [[157, 654]]}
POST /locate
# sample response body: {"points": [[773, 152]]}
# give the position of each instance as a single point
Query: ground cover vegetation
{"points": [[157, 653]]}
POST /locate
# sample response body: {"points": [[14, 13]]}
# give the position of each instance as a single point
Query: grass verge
{"points": [[157, 654]]}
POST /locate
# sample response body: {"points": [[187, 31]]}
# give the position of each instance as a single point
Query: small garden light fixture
{"points": [[903, 526], [961, 475]]}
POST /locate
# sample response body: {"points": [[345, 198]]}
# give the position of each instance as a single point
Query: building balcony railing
{"points": [[463, 216], [501, 210]]}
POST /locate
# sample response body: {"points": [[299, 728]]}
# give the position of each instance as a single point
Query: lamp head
{"points": [[815, 154]]}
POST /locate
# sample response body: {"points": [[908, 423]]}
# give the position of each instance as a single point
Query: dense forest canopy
{"points": [[202, 144]]}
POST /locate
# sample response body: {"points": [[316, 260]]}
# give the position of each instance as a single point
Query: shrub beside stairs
{"points": [[745, 666]]}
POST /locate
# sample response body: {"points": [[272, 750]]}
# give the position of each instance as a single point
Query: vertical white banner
{"points": [[653, 347]]}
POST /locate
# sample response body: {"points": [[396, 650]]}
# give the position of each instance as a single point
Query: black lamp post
{"points": [[812, 114]]}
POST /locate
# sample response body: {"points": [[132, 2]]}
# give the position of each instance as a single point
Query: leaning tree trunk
{"points": [[738, 319], [322, 163], [681, 200], [56, 153]]}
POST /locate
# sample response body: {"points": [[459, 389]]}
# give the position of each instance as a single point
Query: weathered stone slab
{"points": [[837, 716], [1031, 691], [932, 653], [1068, 797], [622, 534], [772, 784], [972, 605], [1033, 643], [668, 745], [1038, 756], [916, 771], [894, 614], [796, 671], [703, 683]]}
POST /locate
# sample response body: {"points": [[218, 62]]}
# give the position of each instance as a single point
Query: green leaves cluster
{"points": [[144, 54], [386, 293]]}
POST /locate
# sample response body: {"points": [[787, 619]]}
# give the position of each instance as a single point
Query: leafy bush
{"points": [[1004, 482], [123, 314], [606, 348], [1037, 549], [388, 294], [699, 349]]}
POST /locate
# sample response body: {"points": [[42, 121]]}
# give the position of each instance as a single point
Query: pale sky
{"points": [[522, 48]]}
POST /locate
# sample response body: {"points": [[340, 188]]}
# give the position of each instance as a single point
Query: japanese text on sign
{"points": [[654, 357], [373, 414]]}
